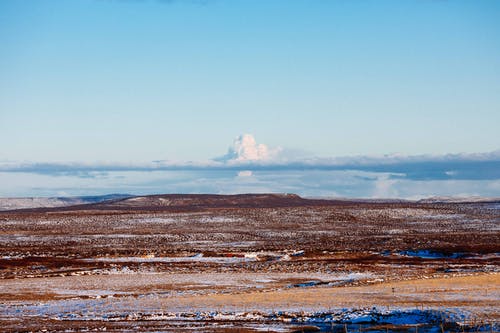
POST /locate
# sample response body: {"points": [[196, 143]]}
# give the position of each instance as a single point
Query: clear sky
{"points": [[113, 81]]}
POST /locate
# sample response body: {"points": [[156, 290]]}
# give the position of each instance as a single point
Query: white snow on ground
{"points": [[398, 316], [220, 260], [187, 217], [21, 203], [199, 257], [129, 285]]}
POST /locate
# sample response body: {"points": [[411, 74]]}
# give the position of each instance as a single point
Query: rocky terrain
{"points": [[249, 263]]}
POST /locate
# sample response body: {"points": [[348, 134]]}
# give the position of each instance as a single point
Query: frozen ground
{"points": [[375, 267], [456, 302]]}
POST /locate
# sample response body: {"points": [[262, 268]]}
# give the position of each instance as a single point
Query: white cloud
{"points": [[245, 173], [249, 166], [246, 149]]}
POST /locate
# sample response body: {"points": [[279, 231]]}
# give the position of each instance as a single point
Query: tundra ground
{"points": [[276, 263]]}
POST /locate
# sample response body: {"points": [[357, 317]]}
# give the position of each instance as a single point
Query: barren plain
{"points": [[249, 263]]}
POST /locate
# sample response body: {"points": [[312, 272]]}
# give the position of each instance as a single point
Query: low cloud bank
{"points": [[309, 183], [245, 156], [249, 166]]}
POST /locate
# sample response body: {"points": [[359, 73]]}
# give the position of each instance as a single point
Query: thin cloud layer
{"points": [[309, 183], [249, 166], [246, 154]]}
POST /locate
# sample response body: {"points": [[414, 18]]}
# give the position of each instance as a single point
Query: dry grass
{"points": [[41, 259], [481, 291]]}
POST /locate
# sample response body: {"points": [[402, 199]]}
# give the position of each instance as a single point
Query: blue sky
{"points": [[92, 84]]}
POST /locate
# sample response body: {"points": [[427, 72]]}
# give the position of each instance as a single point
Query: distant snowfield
{"points": [[50, 202], [22, 203]]}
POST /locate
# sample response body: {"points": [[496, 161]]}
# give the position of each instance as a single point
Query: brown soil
{"points": [[57, 254]]}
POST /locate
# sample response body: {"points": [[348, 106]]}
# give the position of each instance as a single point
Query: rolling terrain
{"points": [[273, 262]]}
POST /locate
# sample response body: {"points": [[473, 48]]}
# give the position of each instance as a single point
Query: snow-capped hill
{"points": [[52, 202]]}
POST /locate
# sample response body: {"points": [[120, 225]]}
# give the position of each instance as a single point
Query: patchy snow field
{"points": [[398, 267]]}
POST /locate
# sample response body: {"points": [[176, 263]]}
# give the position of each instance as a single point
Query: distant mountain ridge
{"points": [[180, 201], [195, 202], [171, 202]]}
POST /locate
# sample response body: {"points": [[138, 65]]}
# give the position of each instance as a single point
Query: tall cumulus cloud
{"points": [[246, 149]]}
